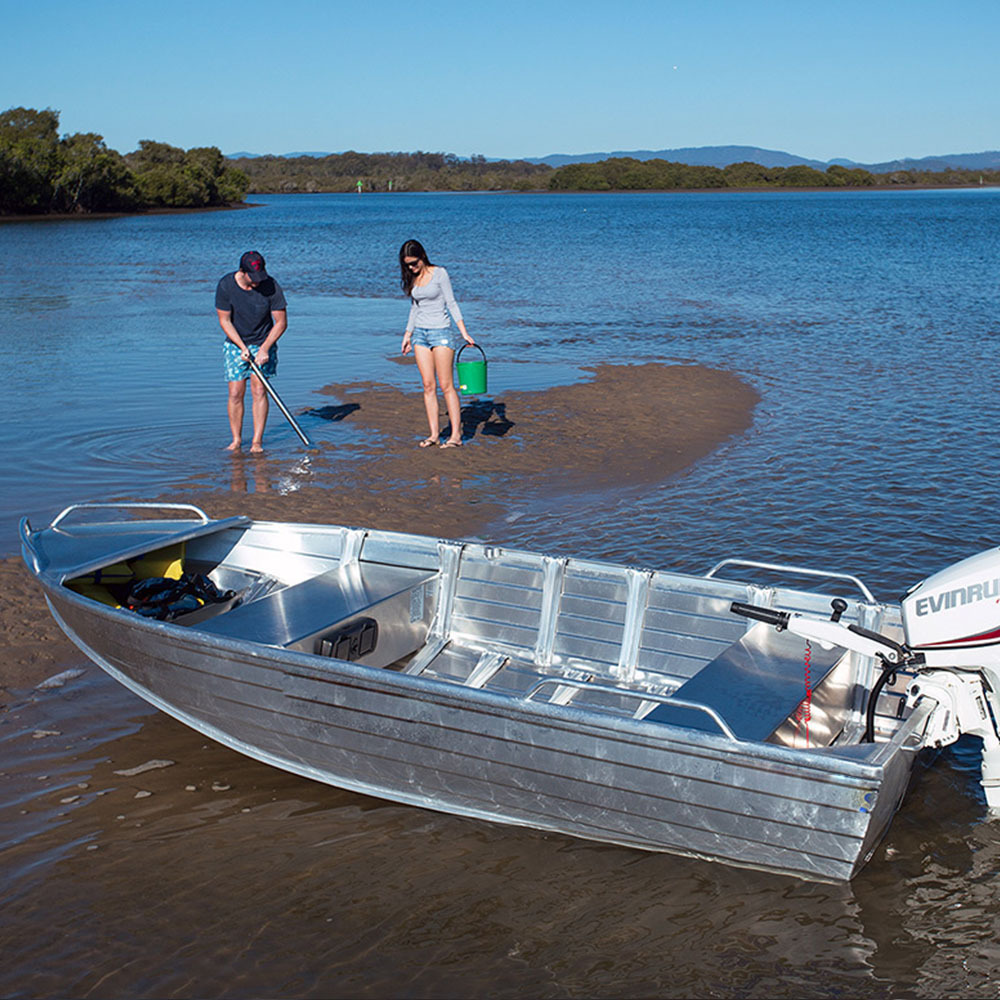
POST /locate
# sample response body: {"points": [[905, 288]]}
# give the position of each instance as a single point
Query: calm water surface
{"points": [[869, 322]]}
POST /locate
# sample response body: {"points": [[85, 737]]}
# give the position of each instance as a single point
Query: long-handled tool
{"points": [[255, 368]]}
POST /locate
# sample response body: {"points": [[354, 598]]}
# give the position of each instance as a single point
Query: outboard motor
{"points": [[951, 621], [951, 625]]}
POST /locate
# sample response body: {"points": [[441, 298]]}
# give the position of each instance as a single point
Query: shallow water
{"points": [[868, 323]]}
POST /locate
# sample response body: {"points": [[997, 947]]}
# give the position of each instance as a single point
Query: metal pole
{"points": [[255, 368]]}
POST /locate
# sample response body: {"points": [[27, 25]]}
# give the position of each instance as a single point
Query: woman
{"points": [[429, 333]]}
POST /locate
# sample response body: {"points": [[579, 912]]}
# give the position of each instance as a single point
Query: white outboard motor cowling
{"points": [[957, 610]]}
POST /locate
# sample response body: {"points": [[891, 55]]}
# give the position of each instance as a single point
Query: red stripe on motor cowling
{"points": [[981, 637]]}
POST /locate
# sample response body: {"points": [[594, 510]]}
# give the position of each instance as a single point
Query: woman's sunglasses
{"points": [[412, 263]]}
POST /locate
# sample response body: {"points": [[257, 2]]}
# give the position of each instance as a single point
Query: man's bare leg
{"points": [[234, 408], [260, 408]]}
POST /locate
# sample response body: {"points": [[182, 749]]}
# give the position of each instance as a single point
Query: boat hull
{"points": [[474, 753]]}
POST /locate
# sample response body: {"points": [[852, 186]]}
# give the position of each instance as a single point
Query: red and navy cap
{"points": [[252, 265]]}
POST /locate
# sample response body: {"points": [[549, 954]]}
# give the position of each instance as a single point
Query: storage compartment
{"points": [[333, 606]]}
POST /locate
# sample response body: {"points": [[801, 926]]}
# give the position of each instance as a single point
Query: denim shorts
{"points": [[237, 370], [423, 336]]}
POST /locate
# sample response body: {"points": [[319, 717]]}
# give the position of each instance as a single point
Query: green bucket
{"points": [[471, 374]]}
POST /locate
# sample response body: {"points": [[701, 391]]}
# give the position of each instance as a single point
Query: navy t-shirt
{"points": [[250, 310]]}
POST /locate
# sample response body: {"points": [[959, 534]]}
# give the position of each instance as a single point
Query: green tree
{"points": [[91, 177], [225, 184], [842, 176], [800, 175], [169, 177], [29, 159], [745, 174], [161, 177]]}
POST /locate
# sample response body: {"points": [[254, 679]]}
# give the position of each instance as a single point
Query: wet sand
{"points": [[626, 427]]}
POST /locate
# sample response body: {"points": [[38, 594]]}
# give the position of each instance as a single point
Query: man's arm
{"points": [[280, 317], [226, 322]]}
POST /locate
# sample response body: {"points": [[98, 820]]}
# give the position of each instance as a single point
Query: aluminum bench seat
{"points": [[399, 599], [756, 685]]}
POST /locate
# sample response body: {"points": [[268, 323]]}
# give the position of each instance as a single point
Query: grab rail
{"points": [[664, 699], [28, 545], [128, 506], [793, 569]]}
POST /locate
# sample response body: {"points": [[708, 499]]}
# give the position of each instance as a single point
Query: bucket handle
{"points": [[458, 357]]}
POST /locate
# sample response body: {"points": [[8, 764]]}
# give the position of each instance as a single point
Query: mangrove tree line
{"points": [[446, 172], [628, 174], [41, 173], [390, 172]]}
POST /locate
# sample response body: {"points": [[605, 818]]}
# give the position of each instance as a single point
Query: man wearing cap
{"points": [[252, 314]]}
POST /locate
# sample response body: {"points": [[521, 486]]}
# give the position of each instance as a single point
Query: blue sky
{"points": [[866, 81]]}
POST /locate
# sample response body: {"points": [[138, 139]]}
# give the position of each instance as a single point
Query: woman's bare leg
{"points": [[443, 364], [425, 363]]}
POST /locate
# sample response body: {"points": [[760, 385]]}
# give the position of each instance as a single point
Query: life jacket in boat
{"points": [[166, 598]]}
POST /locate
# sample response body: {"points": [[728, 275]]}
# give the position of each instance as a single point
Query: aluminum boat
{"points": [[753, 724]]}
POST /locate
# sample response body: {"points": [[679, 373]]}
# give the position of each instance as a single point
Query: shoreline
{"points": [[701, 190], [93, 216], [630, 427], [84, 216]]}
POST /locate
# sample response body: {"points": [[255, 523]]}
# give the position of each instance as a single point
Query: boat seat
{"points": [[303, 615], [756, 684]]}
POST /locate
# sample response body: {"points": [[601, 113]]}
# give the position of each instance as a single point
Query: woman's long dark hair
{"points": [[411, 248]]}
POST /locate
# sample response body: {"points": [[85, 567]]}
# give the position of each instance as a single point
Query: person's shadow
{"points": [[333, 412], [486, 417]]}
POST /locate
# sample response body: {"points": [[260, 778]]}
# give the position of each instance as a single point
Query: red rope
{"points": [[804, 712]]}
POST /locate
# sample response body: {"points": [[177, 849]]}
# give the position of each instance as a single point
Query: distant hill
{"points": [[695, 156], [283, 156], [722, 156], [969, 161]]}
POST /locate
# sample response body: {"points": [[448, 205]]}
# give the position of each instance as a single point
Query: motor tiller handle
{"points": [[777, 618]]}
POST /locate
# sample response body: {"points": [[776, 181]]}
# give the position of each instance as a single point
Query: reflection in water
{"points": [[447, 481], [312, 891], [299, 889], [250, 474], [928, 898], [256, 473]]}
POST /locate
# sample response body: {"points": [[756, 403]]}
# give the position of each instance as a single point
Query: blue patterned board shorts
{"points": [[423, 336], [237, 370]]}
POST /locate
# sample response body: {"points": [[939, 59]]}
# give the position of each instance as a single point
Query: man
{"points": [[252, 313]]}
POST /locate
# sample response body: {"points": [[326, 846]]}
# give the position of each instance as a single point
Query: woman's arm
{"points": [[410, 324], [452, 305]]}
